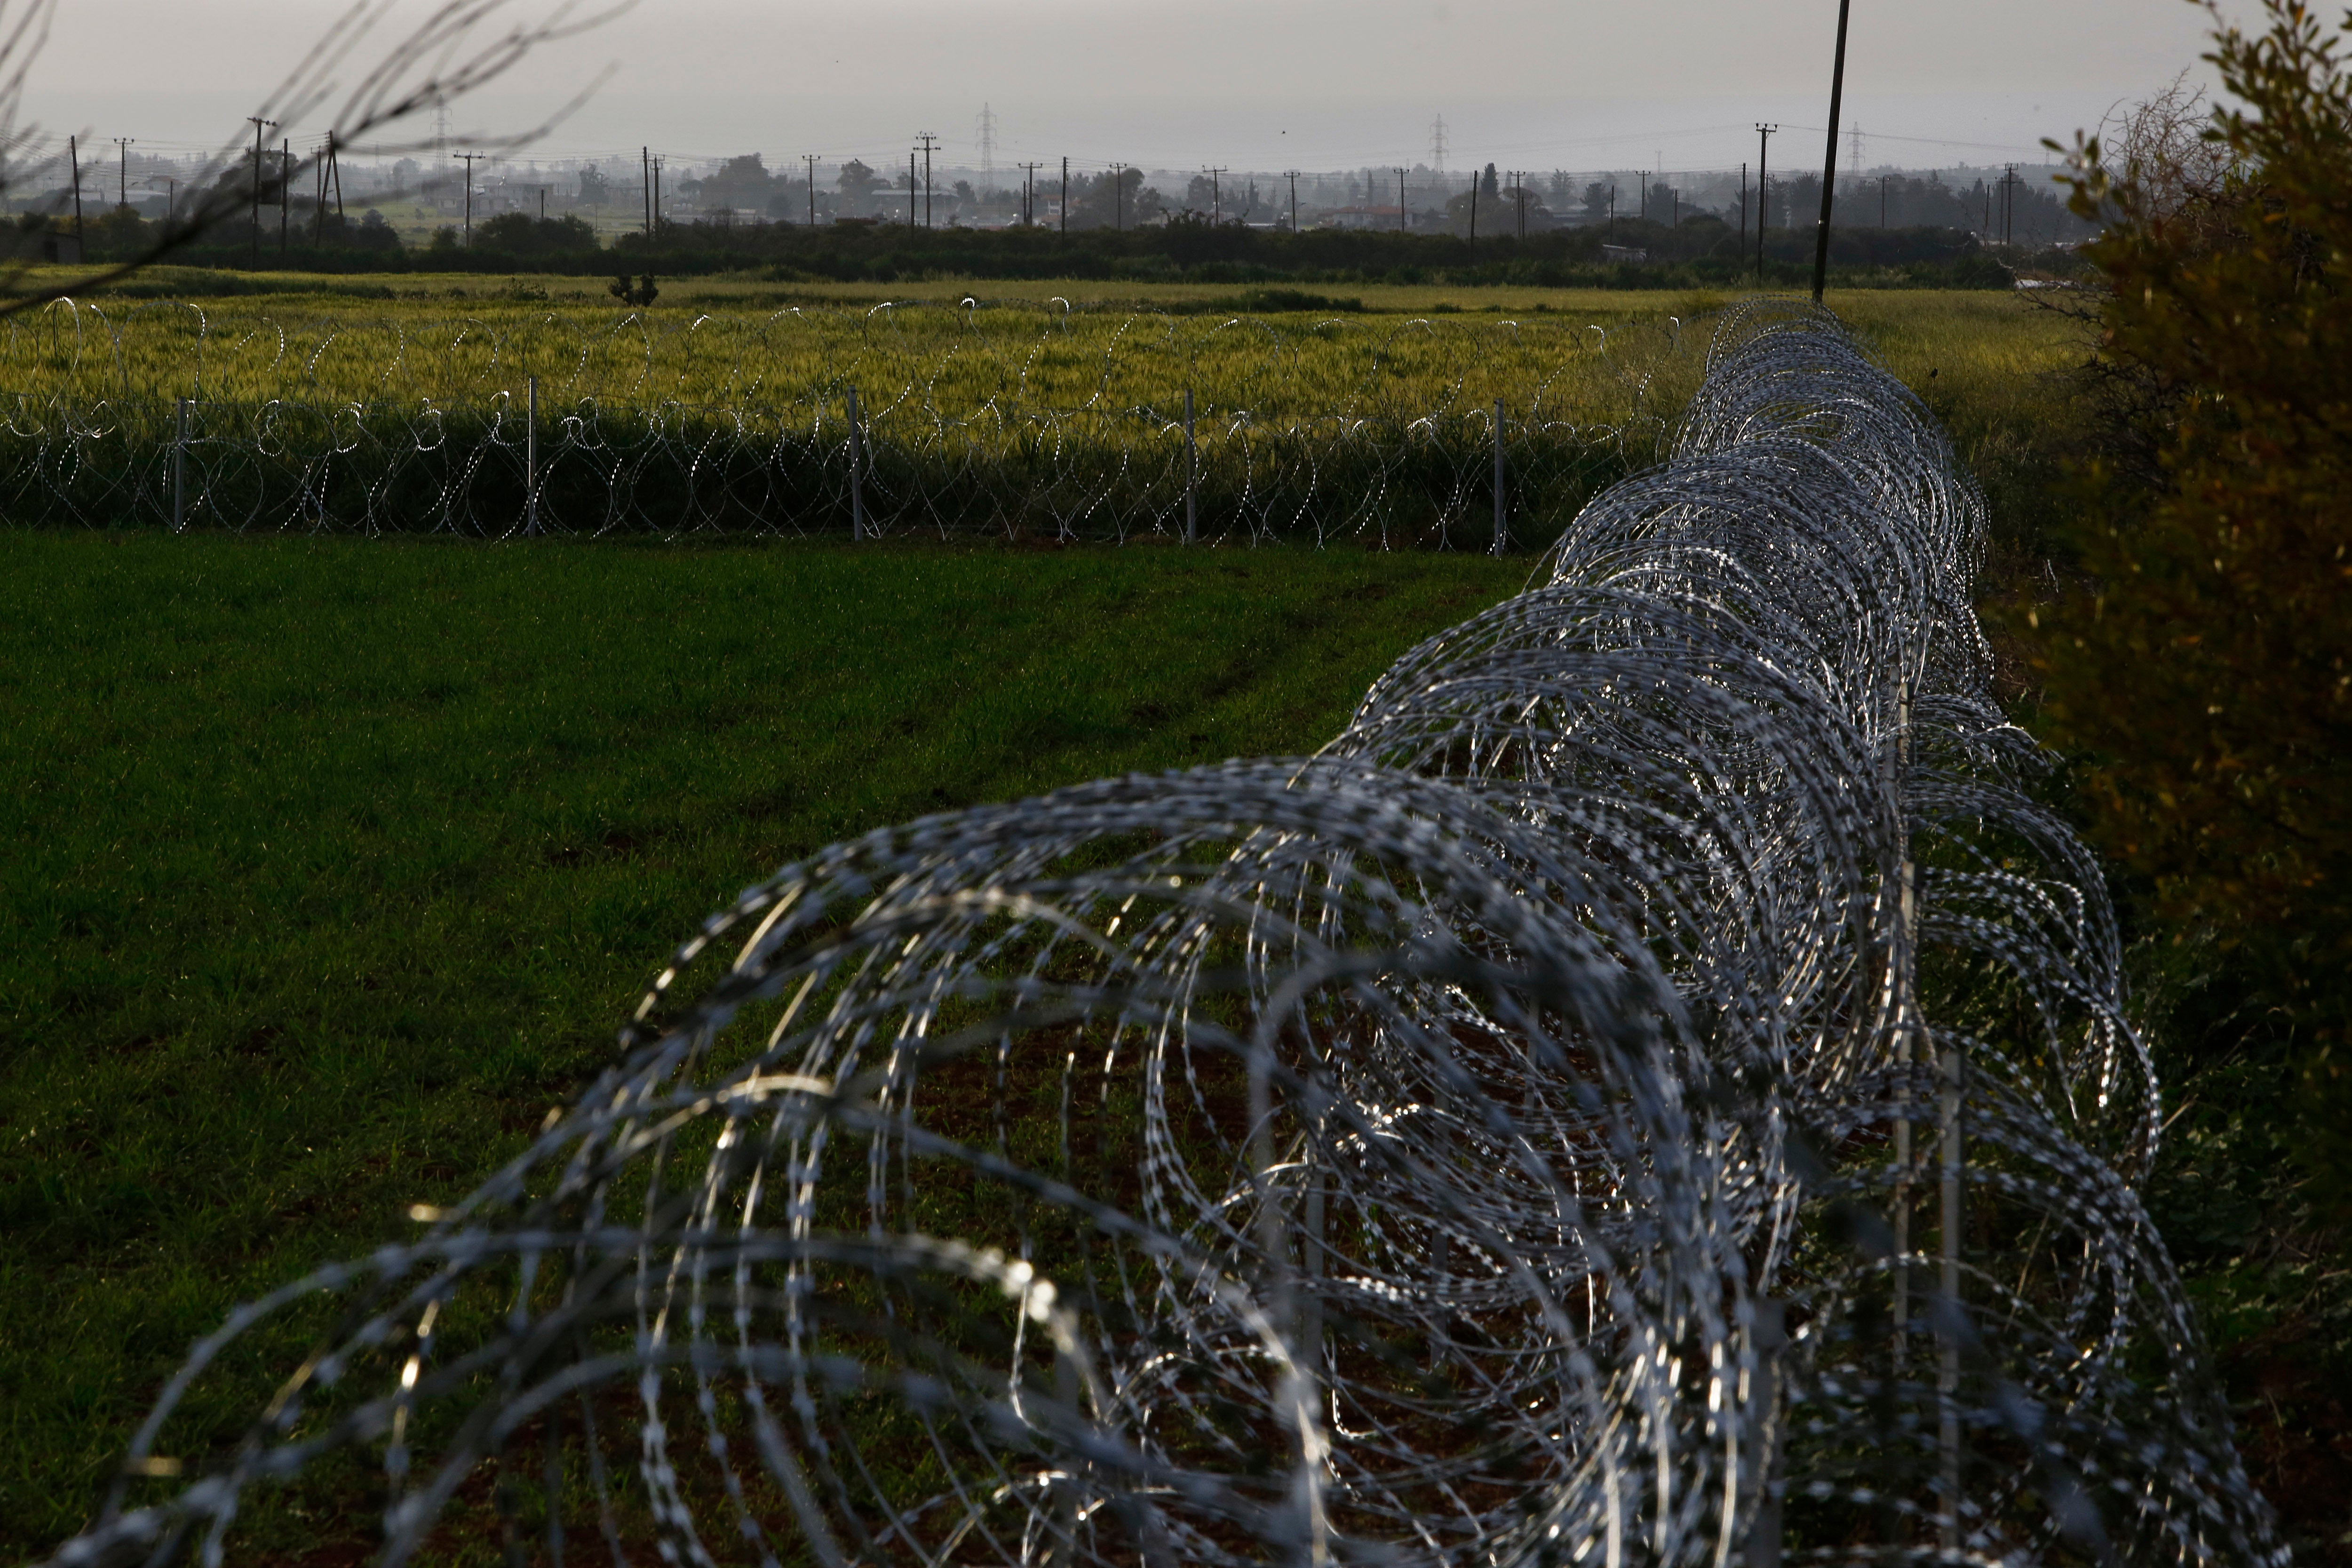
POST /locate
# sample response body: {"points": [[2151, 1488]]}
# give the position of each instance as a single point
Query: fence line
{"points": [[1012, 423], [1475, 1144]]}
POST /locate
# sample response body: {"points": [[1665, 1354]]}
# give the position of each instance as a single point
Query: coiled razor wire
{"points": [[1002, 421], [1580, 1116]]}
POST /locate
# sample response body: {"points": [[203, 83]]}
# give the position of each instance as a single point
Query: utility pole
{"points": [[1881, 201], [910, 190], [258, 124], [657, 194], [1292, 175], [1029, 193], [1829, 159], [73, 156], [646, 169], [285, 194], [928, 140], [1474, 200], [1400, 201], [810, 159], [1763, 188], [1066, 195], [331, 170], [122, 170], [1743, 209], [1216, 200], [1118, 201], [468, 158]]}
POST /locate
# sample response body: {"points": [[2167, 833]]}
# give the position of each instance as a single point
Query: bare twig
{"points": [[461, 47]]}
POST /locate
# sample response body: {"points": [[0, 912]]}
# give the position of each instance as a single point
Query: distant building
{"points": [[1363, 217]]}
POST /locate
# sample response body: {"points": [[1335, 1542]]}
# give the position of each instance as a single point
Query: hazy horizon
{"points": [[1310, 84]]}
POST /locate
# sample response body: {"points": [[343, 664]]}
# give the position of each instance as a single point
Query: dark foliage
{"points": [[2205, 680], [1700, 252]]}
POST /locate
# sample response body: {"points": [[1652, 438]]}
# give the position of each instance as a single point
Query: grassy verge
{"points": [[336, 863]]}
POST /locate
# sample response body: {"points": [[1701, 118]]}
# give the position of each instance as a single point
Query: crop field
{"points": [[1021, 414]]}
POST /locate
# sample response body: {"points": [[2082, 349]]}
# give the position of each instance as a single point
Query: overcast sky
{"points": [[1315, 84]]}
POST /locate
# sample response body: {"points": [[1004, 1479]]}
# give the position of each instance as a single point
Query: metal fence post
{"points": [[856, 460], [1501, 531], [1192, 470], [180, 465], [530, 456]]}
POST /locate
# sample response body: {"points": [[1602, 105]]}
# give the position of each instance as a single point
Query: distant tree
{"points": [[790, 202], [1490, 184], [373, 233], [857, 184], [119, 232], [595, 189], [527, 234], [1598, 197], [739, 185], [1105, 199]]}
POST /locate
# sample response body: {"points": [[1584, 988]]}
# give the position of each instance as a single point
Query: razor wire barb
{"points": [[1005, 421], [1579, 1116]]}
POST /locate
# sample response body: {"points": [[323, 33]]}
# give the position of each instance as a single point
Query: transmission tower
{"points": [[440, 125], [1853, 150], [1437, 145], [987, 147]]}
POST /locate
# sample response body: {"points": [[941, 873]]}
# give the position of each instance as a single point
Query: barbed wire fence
{"points": [[1655, 1088], [1002, 421]]}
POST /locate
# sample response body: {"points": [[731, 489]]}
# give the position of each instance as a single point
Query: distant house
{"points": [[1363, 217], [1629, 255]]}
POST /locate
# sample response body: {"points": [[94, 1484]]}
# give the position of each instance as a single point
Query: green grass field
{"points": [[335, 864]]}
